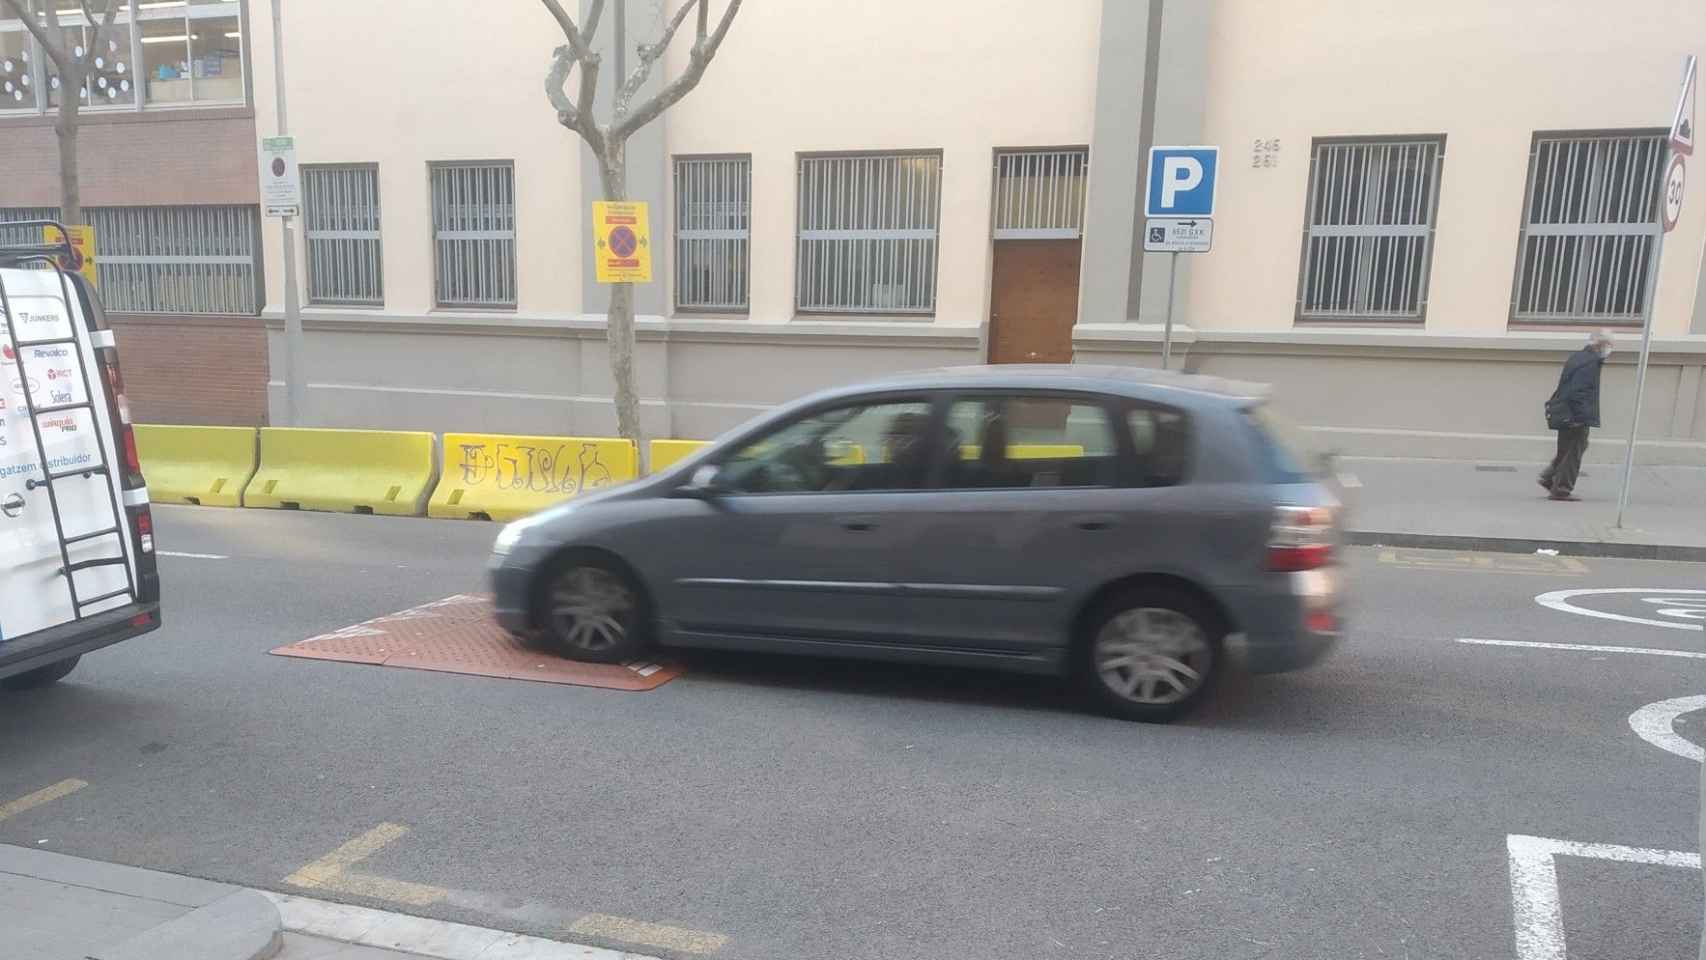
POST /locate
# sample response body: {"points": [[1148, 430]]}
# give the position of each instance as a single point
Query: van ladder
{"points": [[50, 479]]}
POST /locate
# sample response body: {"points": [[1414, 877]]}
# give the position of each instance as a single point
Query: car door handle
{"points": [[1095, 523], [859, 524]]}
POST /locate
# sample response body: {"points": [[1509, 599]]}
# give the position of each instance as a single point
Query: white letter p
{"points": [[1178, 174]]}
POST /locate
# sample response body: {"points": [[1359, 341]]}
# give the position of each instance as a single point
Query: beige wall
{"points": [[795, 76], [1487, 75], [821, 75], [402, 83]]}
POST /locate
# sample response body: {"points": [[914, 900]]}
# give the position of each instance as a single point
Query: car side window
{"points": [[1020, 441], [1161, 440], [859, 447]]}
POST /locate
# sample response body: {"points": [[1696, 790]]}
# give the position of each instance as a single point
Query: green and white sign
{"points": [[281, 184]]}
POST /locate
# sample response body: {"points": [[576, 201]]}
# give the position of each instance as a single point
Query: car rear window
{"points": [[1284, 453]]}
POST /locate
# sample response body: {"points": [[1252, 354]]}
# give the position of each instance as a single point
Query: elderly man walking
{"points": [[1572, 411]]}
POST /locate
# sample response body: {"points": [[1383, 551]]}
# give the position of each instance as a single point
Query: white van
{"points": [[77, 567]]}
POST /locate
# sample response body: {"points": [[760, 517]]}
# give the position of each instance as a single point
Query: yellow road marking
{"points": [[332, 872], [63, 788], [1535, 564], [648, 934]]}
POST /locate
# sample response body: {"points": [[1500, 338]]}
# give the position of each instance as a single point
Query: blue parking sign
{"points": [[1181, 181]]}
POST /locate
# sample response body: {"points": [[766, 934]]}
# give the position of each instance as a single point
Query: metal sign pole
{"points": [[295, 400], [1641, 371], [1167, 331]]}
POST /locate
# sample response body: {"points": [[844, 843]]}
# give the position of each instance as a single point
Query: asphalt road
{"points": [[806, 810]]}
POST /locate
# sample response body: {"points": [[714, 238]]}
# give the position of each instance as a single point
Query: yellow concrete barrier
{"points": [[1029, 451], [497, 477], [201, 465], [668, 453], [360, 471]]}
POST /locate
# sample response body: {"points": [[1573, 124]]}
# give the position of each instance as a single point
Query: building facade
{"points": [[167, 161], [1420, 209]]}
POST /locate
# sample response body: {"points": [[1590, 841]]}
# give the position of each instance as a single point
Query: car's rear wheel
{"points": [[1150, 654], [591, 609], [41, 676]]}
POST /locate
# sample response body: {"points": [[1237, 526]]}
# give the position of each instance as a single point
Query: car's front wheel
{"points": [[593, 610], [41, 676], [1150, 654]]}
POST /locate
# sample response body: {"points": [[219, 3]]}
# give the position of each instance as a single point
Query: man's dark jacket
{"points": [[1576, 401]]}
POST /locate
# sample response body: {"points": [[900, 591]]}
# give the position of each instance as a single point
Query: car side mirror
{"points": [[705, 483]]}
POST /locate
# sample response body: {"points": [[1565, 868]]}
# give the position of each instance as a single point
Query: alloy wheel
{"points": [[1152, 655], [592, 609]]}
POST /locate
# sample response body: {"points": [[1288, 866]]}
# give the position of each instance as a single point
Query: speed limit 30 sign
{"points": [[1675, 179]]}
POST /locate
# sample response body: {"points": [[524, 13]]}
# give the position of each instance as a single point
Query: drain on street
{"points": [[458, 635]]}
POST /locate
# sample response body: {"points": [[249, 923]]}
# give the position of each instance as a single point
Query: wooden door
{"points": [[1033, 301]]}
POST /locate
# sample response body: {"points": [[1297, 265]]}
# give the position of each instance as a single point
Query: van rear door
{"points": [[76, 450]]}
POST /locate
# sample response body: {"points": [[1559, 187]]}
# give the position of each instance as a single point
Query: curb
{"points": [[1571, 548], [242, 926]]}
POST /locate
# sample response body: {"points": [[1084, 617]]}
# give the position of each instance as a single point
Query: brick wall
{"points": [[124, 160], [199, 370]]}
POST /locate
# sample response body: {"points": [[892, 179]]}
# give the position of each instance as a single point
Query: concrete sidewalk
{"points": [[65, 908], [58, 907], [1497, 505]]}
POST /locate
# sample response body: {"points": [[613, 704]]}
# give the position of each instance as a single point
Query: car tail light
{"points": [[121, 408], [1301, 539], [144, 528]]}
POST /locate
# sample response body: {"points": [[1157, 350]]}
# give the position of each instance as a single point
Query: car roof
{"points": [[1138, 382]]}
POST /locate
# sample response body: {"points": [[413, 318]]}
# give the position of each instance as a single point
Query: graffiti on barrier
{"points": [[566, 468]]}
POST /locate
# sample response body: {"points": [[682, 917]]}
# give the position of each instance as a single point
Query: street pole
{"points": [[1167, 331], [295, 399], [1641, 365]]}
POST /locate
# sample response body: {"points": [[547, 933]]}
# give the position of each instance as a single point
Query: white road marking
{"points": [[1560, 600], [1534, 885], [1656, 724], [193, 556], [429, 938], [1586, 647]]}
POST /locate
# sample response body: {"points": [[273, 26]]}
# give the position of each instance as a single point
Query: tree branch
{"points": [[576, 116], [651, 52], [703, 51], [55, 51]]}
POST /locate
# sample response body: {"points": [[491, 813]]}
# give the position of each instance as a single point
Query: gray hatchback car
{"points": [[1113, 524]]}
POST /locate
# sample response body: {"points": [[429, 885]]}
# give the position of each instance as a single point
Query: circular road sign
{"points": [[1675, 178], [623, 243]]}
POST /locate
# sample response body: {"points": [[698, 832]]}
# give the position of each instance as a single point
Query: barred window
{"points": [[1590, 222], [1039, 194], [713, 231], [1368, 241], [192, 259], [201, 259], [473, 222], [340, 216], [24, 236], [867, 233]]}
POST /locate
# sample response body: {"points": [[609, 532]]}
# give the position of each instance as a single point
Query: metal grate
{"points": [[201, 259], [1591, 218], [1039, 194], [713, 230], [473, 222], [340, 215], [1368, 243], [868, 233], [23, 236]]}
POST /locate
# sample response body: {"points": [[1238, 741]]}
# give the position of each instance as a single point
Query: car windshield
{"points": [[1287, 455]]}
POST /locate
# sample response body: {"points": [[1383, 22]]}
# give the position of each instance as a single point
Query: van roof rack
{"points": [[12, 255]]}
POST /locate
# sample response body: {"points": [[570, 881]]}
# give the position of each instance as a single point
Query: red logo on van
{"points": [[7, 350]]}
